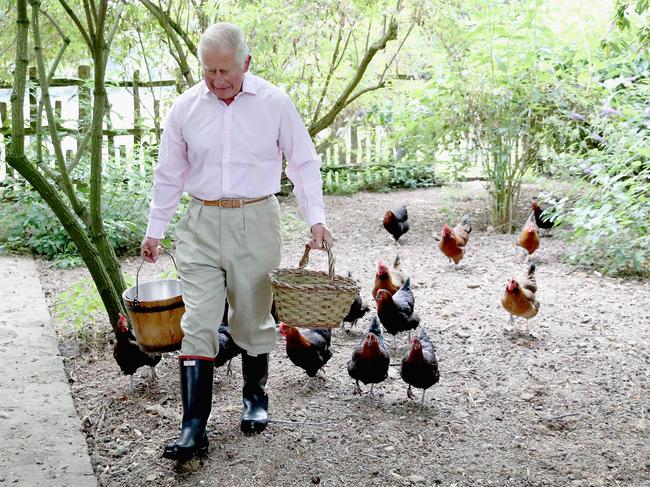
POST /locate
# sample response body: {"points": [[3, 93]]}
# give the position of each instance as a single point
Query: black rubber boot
{"points": [[196, 390], [255, 416]]}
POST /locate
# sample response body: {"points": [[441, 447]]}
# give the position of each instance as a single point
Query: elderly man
{"points": [[223, 144]]}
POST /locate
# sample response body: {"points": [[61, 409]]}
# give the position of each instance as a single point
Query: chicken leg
{"points": [[154, 376]]}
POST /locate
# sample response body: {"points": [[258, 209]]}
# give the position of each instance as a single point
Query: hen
{"points": [[387, 278], [357, 310], [543, 221], [128, 354], [370, 360], [228, 349], [308, 349], [420, 366], [519, 297], [396, 222], [453, 240], [396, 311], [529, 236]]}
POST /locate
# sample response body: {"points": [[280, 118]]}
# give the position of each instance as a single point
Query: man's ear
{"points": [[247, 63]]}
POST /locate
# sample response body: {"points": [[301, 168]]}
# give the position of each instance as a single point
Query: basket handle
{"points": [[330, 259], [136, 302]]}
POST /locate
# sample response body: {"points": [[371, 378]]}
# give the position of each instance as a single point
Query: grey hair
{"points": [[224, 35]]}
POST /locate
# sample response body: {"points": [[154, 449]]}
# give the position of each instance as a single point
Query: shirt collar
{"points": [[248, 86]]}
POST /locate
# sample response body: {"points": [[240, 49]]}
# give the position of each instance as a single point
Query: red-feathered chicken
{"points": [[370, 360], [453, 240], [387, 278], [529, 236], [396, 222], [519, 296], [309, 348], [420, 366], [128, 354], [396, 311]]}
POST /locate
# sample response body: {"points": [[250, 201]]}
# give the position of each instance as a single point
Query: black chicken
{"points": [[396, 222], [128, 354], [420, 366], [357, 309], [396, 311], [228, 349], [370, 360], [543, 220]]}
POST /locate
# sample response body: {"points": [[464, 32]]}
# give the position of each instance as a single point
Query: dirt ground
{"points": [[567, 404]]}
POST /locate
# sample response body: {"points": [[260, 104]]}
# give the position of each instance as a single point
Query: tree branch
{"points": [[342, 101], [166, 23], [67, 187], [330, 72], [78, 23], [158, 12]]}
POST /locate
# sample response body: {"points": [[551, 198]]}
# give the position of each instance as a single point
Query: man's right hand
{"points": [[150, 249]]}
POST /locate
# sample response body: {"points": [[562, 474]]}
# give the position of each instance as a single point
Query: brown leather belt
{"points": [[231, 203]]}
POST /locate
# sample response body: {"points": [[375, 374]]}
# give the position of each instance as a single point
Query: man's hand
{"points": [[150, 249], [320, 233]]}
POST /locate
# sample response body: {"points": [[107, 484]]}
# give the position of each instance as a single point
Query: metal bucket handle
{"points": [[136, 302]]}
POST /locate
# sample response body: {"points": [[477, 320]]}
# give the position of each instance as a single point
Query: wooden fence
{"points": [[357, 145]]}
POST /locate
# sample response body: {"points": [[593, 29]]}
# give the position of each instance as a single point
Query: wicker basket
{"points": [[311, 299]]}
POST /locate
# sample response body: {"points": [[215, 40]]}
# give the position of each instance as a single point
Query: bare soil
{"points": [[566, 402]]}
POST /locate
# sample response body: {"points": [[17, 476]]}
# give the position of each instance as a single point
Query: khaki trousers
{"points": [[228, 252]]}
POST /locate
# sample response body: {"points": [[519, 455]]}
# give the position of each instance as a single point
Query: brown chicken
{"points": [[309, 348], [529, 236], [519, 296], [128, 354], [387, 278], [453, 240]]}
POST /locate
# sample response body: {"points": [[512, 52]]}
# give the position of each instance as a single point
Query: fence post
{"points": [[83, 96], [354, 144], [137, 117], [5, 124], [156, 119]]}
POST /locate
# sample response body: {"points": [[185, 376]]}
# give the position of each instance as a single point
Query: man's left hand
{"points": [[320, 233]]}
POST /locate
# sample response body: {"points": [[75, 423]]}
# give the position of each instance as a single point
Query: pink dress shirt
{"points": [[214, 151]]}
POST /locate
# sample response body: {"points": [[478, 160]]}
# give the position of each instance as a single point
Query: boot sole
{"points": [[184, 455]]}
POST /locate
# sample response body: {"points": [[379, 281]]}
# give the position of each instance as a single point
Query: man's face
{"points": [[222, 73]]}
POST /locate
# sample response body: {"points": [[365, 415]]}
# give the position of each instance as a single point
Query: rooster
{"points": [[228, 349], [453, 240], [529, 236], [420, 366], [387, 278], [128, 354], [357, 310], [308, 349], [396, 311], [370, 360], [519, 297], [543, 221], [396, 222]]}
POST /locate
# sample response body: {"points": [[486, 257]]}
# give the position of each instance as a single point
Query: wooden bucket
{"points": [[156, 308]]}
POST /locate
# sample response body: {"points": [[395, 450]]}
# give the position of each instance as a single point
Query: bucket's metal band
{"points": [[154, 309], [137, 274]]}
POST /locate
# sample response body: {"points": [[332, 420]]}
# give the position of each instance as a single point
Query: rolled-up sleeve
{"points": [[169, 176], [303, 164]]}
